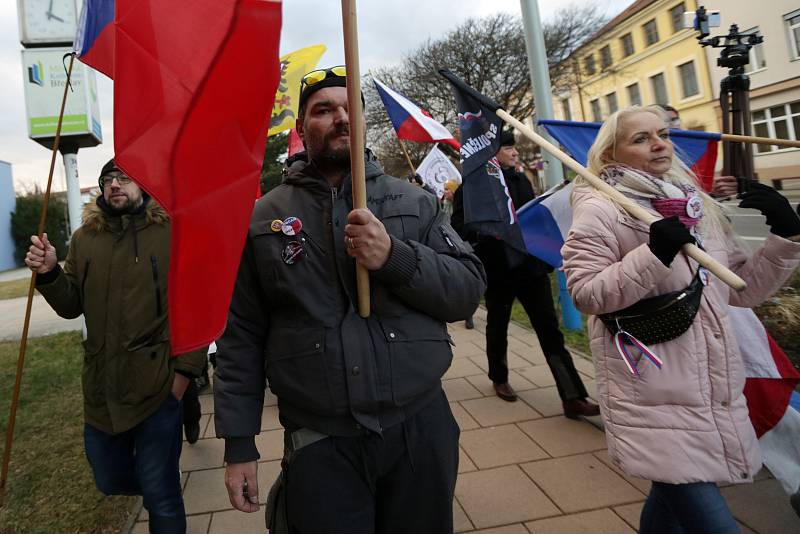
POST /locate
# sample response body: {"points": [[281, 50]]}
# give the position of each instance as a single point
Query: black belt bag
{"points": [[658, 319]]}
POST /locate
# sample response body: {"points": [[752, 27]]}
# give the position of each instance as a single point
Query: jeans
{"points": [[686, 508], [143, 461]]}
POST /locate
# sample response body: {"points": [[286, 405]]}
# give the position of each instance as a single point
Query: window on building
{"points": [[650, 32], [627, 45], [781, 122], [597, 113], [677, 17], [688, 79], [565, 109], [634, 96], [605, 56], [659, 86], [793, 25], [591, 68], [611, 102], [757, 61]]}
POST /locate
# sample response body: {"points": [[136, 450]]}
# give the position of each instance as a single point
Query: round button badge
{"points": [[292, 252], [276, 225], [694, 207], [291, 226]]}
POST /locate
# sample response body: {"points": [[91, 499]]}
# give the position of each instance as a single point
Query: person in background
{"points": [[722, 186], [512, 275], [115, 274], [672, 398]]}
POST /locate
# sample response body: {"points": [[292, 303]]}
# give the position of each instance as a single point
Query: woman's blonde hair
{"points": [[602, 155]]}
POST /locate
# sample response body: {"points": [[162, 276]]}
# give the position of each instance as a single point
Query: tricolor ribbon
{"points": [[620, 339]]}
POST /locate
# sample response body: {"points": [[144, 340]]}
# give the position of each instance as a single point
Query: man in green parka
{"points": [[115, 275]]}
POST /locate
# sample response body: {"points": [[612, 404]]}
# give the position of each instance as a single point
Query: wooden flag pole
{"points": [[23, 345], [356, 118], [760, 140], [408, 158], [719, 270]]}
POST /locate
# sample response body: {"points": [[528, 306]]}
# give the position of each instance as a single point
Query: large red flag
{"points": [[191, 112]]}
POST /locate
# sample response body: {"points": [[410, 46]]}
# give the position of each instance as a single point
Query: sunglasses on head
{"points": [[316, 76], [121, 179]]}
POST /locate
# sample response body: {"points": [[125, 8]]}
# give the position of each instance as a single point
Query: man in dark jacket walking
{"points": [[510, 275], [370, 442], [115, 275]]}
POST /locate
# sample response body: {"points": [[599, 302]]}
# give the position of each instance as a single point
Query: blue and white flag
{"points": [[545, 221]]}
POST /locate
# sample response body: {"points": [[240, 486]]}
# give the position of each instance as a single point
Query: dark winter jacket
{"points": [[296, 325], [116, 276], [504, 264]]}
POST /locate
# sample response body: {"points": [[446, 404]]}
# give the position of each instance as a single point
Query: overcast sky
{"points": [[388, 29]]}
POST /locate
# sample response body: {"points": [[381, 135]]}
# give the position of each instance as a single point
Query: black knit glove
{"points": [[781, 218], [667, 236]]}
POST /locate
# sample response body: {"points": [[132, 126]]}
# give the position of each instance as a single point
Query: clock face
{"points": [[47, 21]]}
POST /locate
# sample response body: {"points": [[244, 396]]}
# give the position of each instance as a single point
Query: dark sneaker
{"points": [[469, 324]]}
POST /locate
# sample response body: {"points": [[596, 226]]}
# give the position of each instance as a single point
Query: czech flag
{"points": [[190, 127], [410, 121], [698, 150], [773, 403], [94, 42]]}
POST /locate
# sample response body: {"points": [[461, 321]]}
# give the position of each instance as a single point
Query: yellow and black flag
{"points": [[293, 66]]}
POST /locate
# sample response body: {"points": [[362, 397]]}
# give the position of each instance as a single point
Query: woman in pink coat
{"points": [[673, 407]]}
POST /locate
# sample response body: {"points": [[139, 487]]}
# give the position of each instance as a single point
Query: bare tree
{"points": [[489, 54]]}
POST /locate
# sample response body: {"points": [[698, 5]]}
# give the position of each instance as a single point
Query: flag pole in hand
{"points": [[23, 344], [356, 119]]}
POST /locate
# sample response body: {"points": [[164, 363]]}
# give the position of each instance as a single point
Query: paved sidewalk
{"points": [[524, 467]]}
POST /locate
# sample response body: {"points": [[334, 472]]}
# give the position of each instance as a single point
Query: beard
{"points": [[321, 150], [123, 208]]}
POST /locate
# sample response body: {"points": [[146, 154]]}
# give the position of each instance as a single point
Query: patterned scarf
{"points": [[666, 198]]}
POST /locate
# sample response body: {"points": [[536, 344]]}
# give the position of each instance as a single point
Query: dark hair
{"points": [[667, 107]]}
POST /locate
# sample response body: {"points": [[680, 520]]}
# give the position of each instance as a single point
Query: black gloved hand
{"points": [[781, 218], [667, 236]]}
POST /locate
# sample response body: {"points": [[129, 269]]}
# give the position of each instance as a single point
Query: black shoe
{"points": [[192, 431], [794, 500], [469, 324]]}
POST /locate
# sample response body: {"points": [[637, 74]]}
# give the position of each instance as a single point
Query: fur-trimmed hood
{"points": [[95, 219]]}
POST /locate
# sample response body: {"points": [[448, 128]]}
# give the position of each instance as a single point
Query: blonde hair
{"points": [[601, 156]]}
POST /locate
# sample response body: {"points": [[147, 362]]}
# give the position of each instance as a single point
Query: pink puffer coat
{"points": [[686, 422]]}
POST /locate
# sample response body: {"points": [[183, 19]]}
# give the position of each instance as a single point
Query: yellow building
{"points": [[643, 56]]}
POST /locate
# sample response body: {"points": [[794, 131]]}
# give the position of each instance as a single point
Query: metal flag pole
{"points": [[12, 417], [553, 171], [356, 117]]}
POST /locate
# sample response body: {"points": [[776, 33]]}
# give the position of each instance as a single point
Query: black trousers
{"points": [[400, 482], [536, 298]]}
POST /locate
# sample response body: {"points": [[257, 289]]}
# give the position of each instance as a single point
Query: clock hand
{"points": [[50, 11], [59, 19]]}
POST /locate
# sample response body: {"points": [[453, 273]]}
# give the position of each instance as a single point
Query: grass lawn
{"points": [[50, 487], [574, 339], [14, 288]]}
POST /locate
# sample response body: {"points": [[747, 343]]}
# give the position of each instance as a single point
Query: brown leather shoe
{"points": [[505, 392], [576, 408]]}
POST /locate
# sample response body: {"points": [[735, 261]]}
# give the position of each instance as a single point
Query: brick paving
{"points": [[524, 468]]}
